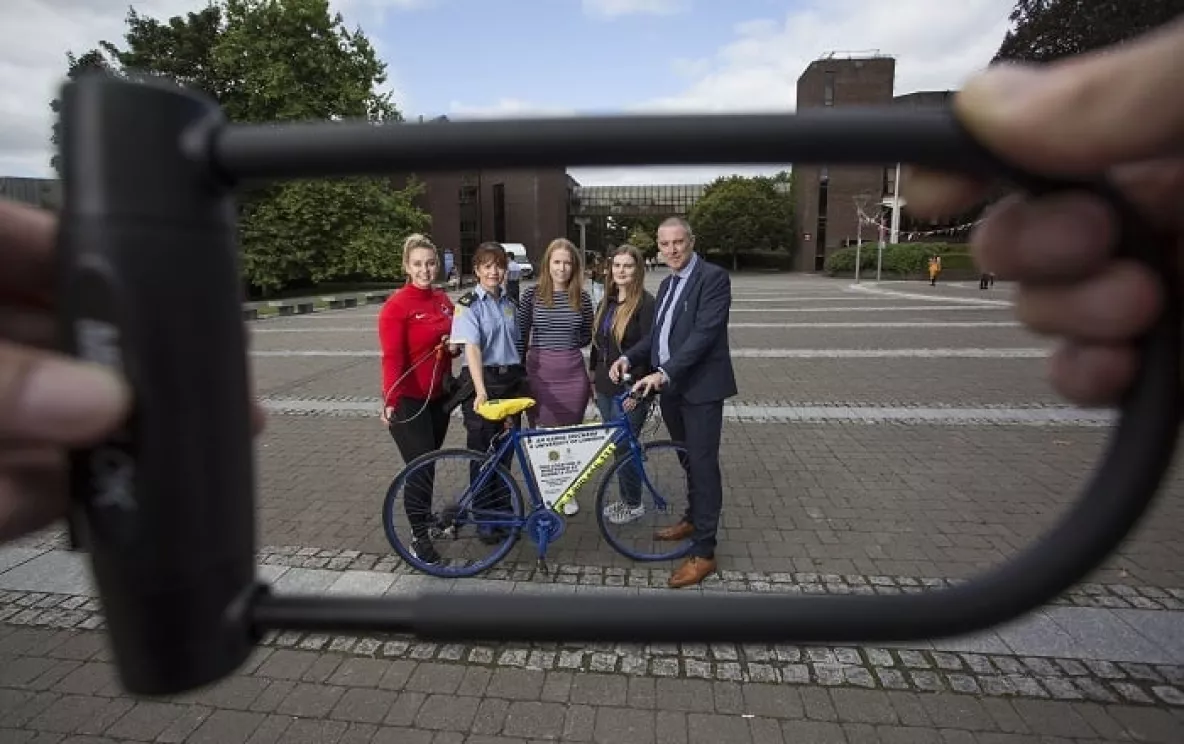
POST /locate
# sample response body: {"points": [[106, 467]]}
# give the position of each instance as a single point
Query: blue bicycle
{"points": [[464, 510]]}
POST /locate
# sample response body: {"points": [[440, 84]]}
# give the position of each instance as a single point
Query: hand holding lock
{"points": [[148, 214]]}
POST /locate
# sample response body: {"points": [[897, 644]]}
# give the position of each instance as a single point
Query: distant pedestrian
{"points": [[513, 278]]}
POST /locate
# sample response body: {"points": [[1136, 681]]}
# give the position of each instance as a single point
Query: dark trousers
{"points": [[418, 430], [500, 382], [699, 427], [512, 287]]}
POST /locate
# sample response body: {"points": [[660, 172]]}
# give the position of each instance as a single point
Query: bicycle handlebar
{"points": [[149, 217]]}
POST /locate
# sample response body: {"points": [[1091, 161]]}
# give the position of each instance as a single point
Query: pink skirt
{"points": [[559, 384]]}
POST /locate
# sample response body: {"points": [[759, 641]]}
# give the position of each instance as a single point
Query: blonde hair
{"points": [[545, 294], [634, 291]]}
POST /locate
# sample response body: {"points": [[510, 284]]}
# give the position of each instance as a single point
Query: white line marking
{"points": [[821, 324], [917, 324], [798, 298], [930, 298], [805, 413], [867, 309], [745, 353]]}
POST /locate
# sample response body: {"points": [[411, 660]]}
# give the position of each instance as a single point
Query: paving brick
{"points": [[600, 689], [516, 684], [447, 712], [534, 720], [226, 727], [146, 720], [363, 705], [309, 700]]}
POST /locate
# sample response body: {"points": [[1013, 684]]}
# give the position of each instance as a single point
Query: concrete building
{"points": [[827, 200]]}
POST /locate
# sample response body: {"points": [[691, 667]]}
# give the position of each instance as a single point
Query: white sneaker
{"points": [[571, 507], [619, 512]]}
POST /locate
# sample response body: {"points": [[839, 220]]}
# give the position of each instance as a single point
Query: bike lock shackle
{"points": [[148, 221]]}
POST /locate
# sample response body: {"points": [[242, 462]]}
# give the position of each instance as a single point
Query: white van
{"points": [[518, 251]]}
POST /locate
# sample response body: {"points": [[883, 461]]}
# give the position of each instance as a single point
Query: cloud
{"points": [[611, 9], [504, 108], [36, 34], [937, 45]]}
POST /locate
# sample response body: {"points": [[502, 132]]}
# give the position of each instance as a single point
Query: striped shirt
{"points": [[558, 327]]}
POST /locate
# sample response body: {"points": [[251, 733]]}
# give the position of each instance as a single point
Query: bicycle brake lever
{"points": [[148, 220]]}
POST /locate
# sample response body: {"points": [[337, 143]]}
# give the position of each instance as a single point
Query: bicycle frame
{"points": [[512, 442]]}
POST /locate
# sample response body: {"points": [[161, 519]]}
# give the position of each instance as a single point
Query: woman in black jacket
{"points": [[625, 315]]}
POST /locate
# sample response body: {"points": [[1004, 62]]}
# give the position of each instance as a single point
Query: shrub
{"points": [[902, 259]]}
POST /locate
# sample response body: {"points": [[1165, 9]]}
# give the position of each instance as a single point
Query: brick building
{"points": [[527, 206], [827, 200]]}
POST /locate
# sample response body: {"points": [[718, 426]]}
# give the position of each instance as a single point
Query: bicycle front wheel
{"points": [[639, 496], [453, 513]]}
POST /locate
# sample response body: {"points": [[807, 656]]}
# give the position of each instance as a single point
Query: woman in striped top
{"points": [[555, 322]]}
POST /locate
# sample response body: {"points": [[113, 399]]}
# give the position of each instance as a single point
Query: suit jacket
{"points": [[700, 363]]}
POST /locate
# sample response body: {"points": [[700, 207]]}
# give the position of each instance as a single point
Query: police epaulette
{"points": [[466, 299]]}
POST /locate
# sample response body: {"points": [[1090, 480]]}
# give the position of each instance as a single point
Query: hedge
{"points": [[903, 259]]}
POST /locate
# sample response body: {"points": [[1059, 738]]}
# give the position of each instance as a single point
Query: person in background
{"points": [[413, 328], [555, 321], [513, 278], [624, 316], [486, 326]]}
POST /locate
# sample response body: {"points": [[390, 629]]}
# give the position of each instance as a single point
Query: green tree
{"points": [[286, 60], [1046, 30], [738, 214], [643, 240], [92, 61]]}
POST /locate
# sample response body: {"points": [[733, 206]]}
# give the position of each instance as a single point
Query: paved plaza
{"points": [[888, 437]]}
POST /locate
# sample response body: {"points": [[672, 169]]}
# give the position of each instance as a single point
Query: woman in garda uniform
{"points": [[413, 328], [555, 321], [486, 326], [625, 315]]}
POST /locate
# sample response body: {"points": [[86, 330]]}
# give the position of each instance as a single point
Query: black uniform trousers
{"points": [[418, 430], [507, 381]]}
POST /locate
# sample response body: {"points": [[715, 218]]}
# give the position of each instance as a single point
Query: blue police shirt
{"points": [[488, 322]]}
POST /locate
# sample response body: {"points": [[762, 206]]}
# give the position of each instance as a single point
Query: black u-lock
{"points": [[148, 220]]}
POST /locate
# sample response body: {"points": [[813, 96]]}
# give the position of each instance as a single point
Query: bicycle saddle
{"points": [[496, 410]]}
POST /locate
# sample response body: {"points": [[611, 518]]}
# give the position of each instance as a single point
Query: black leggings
{"points": [[416, 435]]}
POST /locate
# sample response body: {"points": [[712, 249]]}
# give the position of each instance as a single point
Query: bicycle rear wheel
{"points": [[639, 496], [439, 524]]}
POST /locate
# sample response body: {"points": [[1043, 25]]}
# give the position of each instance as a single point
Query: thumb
{"points": [[50, 399], [1083, 114]]}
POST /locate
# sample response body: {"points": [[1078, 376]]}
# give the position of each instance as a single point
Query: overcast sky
{"points": [[539, 57]]}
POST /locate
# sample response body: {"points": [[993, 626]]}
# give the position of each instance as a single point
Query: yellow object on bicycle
{"points": [[496, 410]]}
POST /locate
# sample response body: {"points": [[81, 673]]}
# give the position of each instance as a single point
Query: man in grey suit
{"points": [[688, 347]]}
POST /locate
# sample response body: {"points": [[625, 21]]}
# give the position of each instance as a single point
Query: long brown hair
{"points": [[545, 294], [634, 291]]}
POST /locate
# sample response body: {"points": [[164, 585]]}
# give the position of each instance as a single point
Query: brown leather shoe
{"points": [[680, 531], [692, 571]]}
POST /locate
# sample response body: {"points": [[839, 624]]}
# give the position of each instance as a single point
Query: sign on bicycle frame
{"points": [[562, 457]]}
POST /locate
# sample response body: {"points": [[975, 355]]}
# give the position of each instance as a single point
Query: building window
{"points": [[820, 228], [499, 212], [828, 89]]}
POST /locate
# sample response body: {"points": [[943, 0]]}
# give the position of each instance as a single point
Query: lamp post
{"points": [[583, 222]]}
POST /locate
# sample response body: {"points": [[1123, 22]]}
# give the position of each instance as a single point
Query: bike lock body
{"points": [[149, 285]]}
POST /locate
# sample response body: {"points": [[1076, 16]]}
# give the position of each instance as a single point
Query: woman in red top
{"points": [[413, 328]]}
